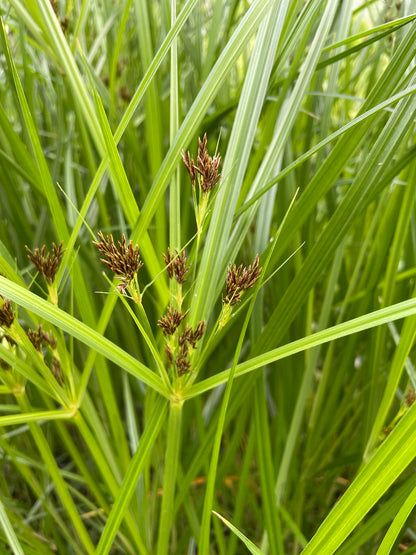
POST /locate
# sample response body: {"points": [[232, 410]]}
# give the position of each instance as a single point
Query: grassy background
{"points": [[297, 423]]}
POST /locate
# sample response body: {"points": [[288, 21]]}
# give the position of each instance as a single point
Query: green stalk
{"points": [[305, 386], [129, 485], [170, 477], [265, 461], [56, 476], [7, 526], [175, 192], [108, 475]]}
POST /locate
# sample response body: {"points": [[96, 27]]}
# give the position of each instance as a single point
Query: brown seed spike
{"points": [[124, 261], [46, 264], [239, 280], [6, 313], [171, 321], [183, 366], [192, 336], [40, 338], [35, 337], [57, 371], [190, 166], [207, 167], [176, 265]]}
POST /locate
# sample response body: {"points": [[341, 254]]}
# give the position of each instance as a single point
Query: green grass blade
{"points": [[129, 484], [13, 542], [392, 457], [399, 521], [228, 57], [249, 544], [368, 321], [81, 331]]}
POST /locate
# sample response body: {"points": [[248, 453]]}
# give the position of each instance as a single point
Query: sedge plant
{"points": [[207, 277]]}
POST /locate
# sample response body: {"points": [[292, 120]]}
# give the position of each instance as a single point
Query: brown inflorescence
{"points": [[239, 280], [124, 261], [46, 264], [39, 338], [179, 355], [6, 313], [176, 265], [206, 166], [192, 336], [57, 371], [183, 364], [171, 321]]}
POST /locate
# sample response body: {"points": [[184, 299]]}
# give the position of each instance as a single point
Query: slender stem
{"points": [[175, 197], [55, 473], [108, 475], [169, 479]]}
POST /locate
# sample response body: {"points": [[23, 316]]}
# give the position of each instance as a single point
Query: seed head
{"points": [[46, 264], [40, 338], [56, 370], [124, 261], [183, 365], [6, 313], [176, 265], [171, 321], [239, 280], [192, 336], [190, 166], [206, 167]]}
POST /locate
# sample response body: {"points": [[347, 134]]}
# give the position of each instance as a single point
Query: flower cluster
{"points": [[171, 321], [6, 313], [176, 265], [7, 342], [206, 168], [46, 264], [192, 336], [41, 339], [239, 280], [180, 345], [124, 261]]}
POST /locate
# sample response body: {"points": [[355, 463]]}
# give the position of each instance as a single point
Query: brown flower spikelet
{"points": [[239, 280], [123, 260], [192, 336], [176, 265], [39, 338], [46, 264], [57, 371], [6, 313], [206, 166], [171, 321], [183, 365]]}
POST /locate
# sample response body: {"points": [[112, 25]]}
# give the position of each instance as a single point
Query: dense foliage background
{"points": [[291, 416]]}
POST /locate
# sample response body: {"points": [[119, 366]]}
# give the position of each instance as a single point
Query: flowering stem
{"points": [[225, 315], [178, 296], [134, 290], [53, 293]]}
